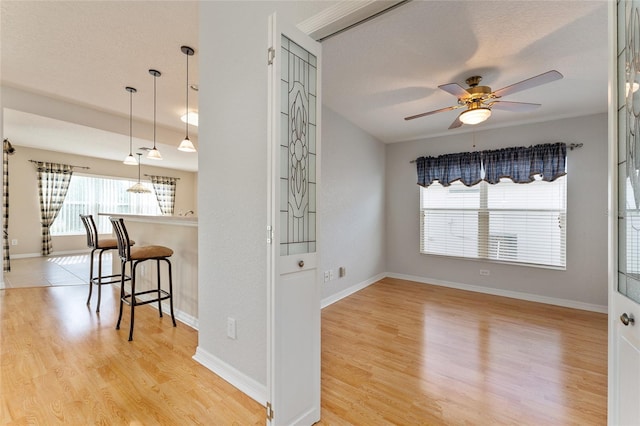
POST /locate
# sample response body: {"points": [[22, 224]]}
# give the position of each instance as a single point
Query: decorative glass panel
{"points": [[629, 145], [298, 150]]}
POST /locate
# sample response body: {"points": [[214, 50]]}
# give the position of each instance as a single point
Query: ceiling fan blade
{"points": [[432, 112], [529, 83], [455, 89], [456, 123], [514, 106]]}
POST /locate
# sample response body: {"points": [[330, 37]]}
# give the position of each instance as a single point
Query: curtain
{"points": [[6, 151], [465, 167], [165, 189], [53, 184], [520, 164]]}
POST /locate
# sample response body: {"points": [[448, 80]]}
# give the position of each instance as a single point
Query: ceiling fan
{"points": [[480, 100]]}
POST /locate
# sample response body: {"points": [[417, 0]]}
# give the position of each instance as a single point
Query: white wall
{"points": [[352, 202], [233, 180], [585, 279]]}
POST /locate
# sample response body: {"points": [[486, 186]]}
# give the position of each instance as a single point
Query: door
{"points": [[624, 300], [293, 379]]}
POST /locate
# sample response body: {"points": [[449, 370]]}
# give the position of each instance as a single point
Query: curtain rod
{"points": [[162, 176], [77, 167], [571, 146]]}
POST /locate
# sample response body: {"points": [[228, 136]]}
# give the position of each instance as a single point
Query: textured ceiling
{"points": [[86, 52], [375, 74], [390, 67]]}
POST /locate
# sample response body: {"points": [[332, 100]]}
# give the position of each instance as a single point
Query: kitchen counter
{"points": [[179, 233]]}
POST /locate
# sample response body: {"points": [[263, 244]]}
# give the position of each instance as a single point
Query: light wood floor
{"points": [[397, 353]]}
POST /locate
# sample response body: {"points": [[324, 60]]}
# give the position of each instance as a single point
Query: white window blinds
{"points": [[507, 222]]}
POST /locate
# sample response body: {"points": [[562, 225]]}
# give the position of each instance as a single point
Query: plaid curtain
{"points": [[6, 261], [520, 164], [165, 189], [53, 183]]}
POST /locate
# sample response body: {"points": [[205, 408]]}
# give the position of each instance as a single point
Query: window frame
{"points": [[483, 231], [94, 207]]}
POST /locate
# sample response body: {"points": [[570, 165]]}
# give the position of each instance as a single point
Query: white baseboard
{"points": [[24, 255], [241, 381], [505, 293], [53, 254], [350, 290]]}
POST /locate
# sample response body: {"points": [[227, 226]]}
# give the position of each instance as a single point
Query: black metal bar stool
{"points": [[134, 256], [99, 245]]}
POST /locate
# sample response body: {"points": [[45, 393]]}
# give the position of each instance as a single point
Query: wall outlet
{"points": [[484, 272], [342, 271], [331, 276], [327, 276], [14, 242], [231, 328]]}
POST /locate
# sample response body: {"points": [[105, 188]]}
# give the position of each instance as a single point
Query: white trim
{"points": [[340, 16], [505, 293], [24, 255], [241, 381], [181, 316], [350, 290], [52, 254]]}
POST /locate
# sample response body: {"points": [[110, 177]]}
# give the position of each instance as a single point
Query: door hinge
{"points": [[271, 55], [269, 411], [269, 234]]}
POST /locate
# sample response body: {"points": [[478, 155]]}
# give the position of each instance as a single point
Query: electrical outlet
{"points": [[14, 242], [484, 272], [231, 328], [342, 271], [327, 276], [331, 276]]}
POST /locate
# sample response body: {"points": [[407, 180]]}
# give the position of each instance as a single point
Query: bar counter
{"points": [[179, 233]]}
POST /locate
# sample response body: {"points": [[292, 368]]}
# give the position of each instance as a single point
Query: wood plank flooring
{"points": [[395, 353]]}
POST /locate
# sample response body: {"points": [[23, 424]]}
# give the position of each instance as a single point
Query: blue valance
{"points": [[520, 164]]}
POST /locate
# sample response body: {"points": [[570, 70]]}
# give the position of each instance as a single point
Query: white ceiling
{"points": [[390, 67], [375, 74], [86, 53]]}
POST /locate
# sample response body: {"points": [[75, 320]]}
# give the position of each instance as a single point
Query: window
{"points": [[93, 195], [506, 222]]}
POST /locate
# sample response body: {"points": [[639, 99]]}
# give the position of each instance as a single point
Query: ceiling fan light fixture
{"points": [[475, 115], [190, 118]]}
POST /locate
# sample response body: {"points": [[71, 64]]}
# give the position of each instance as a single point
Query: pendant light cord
{"points": [[130, 122], [187, 111], [155, 77]]}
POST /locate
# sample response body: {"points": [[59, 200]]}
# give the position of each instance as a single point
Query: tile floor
{"points": [[49, 271]]}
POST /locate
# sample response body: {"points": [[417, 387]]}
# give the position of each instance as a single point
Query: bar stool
{"points": [[99, 245], [134, 256]]}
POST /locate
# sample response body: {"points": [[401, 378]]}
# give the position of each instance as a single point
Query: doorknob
{"points": [[627, 319], [301, 264]]}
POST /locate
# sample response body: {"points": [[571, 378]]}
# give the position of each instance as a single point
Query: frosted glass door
{"points": [[297, 149]]}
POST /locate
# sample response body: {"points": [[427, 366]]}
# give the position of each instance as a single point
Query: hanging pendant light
{"points": [[130, 160], [186, 145], [154, 154], [139, 188]]}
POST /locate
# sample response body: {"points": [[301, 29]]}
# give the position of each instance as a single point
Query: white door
{"points": [[293, 379], [624, 300]]}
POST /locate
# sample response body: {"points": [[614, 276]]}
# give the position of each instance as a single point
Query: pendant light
{"points": [[130, 160], [139, 188], [154, 154], [186, 145]]}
